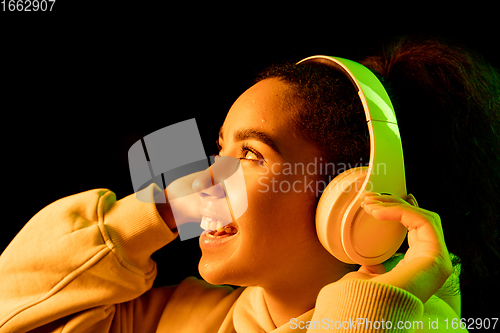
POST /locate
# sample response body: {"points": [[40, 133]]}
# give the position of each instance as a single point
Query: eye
{"points": [[248, 153]]}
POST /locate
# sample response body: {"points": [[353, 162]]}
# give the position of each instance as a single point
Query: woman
{"points": [[88, 266]]}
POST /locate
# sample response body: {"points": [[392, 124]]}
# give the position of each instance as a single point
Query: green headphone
{"points": [[343, 227]]}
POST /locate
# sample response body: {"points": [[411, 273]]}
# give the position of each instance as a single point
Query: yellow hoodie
{"points": [[82, 264]]}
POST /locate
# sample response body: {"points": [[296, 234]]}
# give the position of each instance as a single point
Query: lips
{"points": [[216, 232], [216, 221], [216, 211]]}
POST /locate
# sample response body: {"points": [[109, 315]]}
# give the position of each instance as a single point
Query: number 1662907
{"points": [[27, 5]]}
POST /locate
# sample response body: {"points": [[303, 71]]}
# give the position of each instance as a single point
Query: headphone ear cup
{"points": [[347, 231], [332, 206]]}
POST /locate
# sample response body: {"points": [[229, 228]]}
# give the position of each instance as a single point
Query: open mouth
{"points": [[216, 229]]}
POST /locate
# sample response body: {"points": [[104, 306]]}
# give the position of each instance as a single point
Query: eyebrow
{"points": [[249, 133]]}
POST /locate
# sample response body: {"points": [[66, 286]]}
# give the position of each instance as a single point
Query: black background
{"points": [[80, 84]]}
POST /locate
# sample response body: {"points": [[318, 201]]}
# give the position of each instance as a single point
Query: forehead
{"points": [[266, 106]]}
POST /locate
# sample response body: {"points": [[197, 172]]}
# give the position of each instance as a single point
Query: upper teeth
{"points": [[207, 223]]}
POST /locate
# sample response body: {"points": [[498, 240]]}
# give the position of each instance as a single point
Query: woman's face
{"points": [[276, 235]]}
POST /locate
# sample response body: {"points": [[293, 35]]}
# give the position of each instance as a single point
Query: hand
{"points": [[426, 264], [182, 202]]}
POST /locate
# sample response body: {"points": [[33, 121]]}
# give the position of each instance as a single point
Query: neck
{"points": [[284, 305], [290, 298]]}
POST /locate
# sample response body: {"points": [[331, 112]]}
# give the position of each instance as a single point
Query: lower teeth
{"points": [[222, 232]]}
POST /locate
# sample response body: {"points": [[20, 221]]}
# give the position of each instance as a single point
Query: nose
{"points": [[210, 182], [205, 184]]}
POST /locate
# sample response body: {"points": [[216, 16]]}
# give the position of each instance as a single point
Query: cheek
{"points": [[236, 191], [282, 203]]}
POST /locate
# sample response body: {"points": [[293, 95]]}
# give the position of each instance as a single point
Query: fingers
{"points": [[370, 198], [413, 218], [393, 208], [384, 197], [426, 264]]}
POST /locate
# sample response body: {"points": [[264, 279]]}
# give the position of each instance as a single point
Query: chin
{"points": [[222, 272], [213, 272], [221, 260]]}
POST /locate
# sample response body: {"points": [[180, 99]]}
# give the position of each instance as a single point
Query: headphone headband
{"points": [[386, 166], [385, 174]]}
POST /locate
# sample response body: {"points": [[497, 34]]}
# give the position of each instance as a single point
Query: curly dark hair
{"points": [[330, 115], [447, 102]]}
